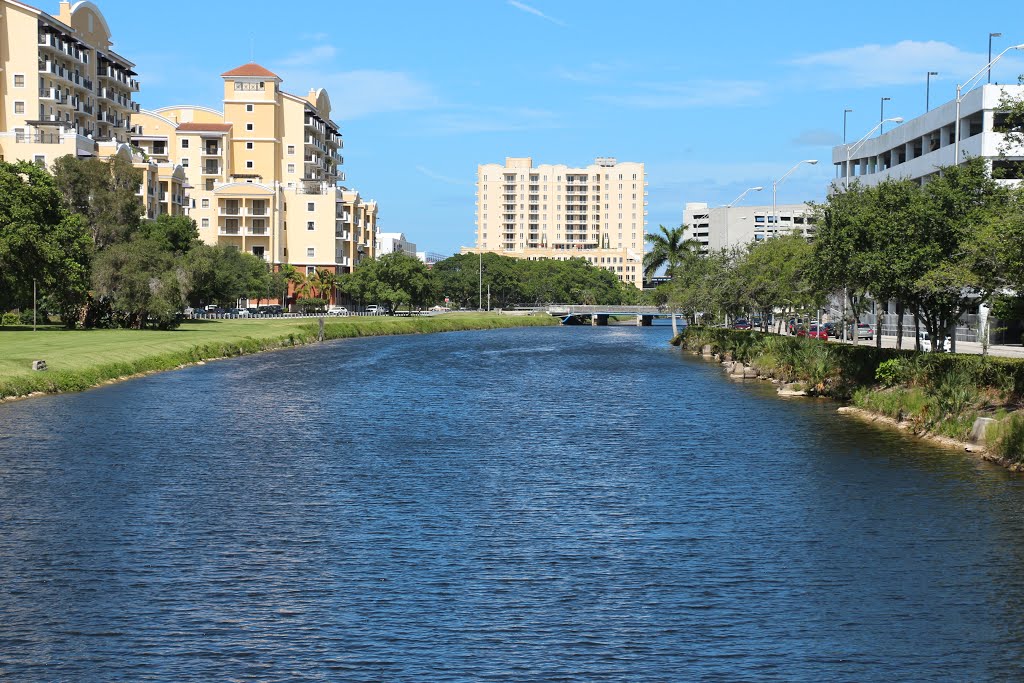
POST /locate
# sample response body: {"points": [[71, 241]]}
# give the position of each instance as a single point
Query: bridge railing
{"points": [[559, 309]]}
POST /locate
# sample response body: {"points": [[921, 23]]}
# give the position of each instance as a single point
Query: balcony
{"points": [[229, 232], [38, 138], [343, 235], [232, 211], [257, 232], [344, 216], [211, 169], [212, 151], [54, 94]]}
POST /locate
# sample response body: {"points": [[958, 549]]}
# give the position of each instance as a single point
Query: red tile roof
{"points": [[251, 69], [206, 127]]}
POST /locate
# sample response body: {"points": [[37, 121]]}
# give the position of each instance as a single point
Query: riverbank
{"points": [[966, 401], [81, 359]]}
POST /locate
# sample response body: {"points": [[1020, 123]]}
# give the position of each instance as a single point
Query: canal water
{"points": [[557, 504]]}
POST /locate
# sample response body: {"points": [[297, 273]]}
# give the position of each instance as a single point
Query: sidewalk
{"points": [[1004, 350]]}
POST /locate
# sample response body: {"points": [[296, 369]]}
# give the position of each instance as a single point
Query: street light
{"points": [[928, 90], [860, 143], [881, 115], [960, 92], [990, 37], [731, 204], [845, 112], [775, 187]]}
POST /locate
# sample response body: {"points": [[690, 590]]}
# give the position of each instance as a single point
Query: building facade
{"points": [[265, 173], [597, 212], [725, 227], [917, 148], [63, 88], [390, 242]]}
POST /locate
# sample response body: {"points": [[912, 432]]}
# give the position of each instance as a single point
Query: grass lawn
{"points": [[77, 359]]}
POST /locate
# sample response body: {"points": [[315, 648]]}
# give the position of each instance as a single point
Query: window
{"points": [[39, 160], [249, 164], [249, 145], [206, 221], [19, 80], [310, 252], [291, 149], [249, 107], [248, 126], [19, 107], [310, 225], [184, 162], [291, 168], [184, 145], [310, 206], [209, 184], [206, 203]]}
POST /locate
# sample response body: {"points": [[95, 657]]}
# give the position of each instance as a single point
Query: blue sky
{"points": [[714, 97]]}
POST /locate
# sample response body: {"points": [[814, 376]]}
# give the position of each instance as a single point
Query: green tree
{"points": [[173, 233], [669, 250], [222, 275], [41, 241], [104, 193], [145, 285], [393, 279]]}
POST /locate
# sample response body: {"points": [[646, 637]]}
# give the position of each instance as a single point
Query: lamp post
{"points": [[845, 112], [881, 115], [990, 37], [850, 149], [775, 187], [928, 90], [971, 83], [733, 203]]}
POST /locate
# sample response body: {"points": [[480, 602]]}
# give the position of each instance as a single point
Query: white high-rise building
{"points": [[597, 212], [725, 227]]}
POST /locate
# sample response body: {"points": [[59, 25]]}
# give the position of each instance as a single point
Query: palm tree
{"points": [[670, 250], [326, 283]]}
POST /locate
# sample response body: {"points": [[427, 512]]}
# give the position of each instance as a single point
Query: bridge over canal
{"points": [[599, 315]]}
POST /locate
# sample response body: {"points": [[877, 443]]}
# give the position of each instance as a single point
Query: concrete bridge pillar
{"points": [[598, 319], [646, 320]]}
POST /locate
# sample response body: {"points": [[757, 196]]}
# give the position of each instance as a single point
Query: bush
{"points": [[10, 319], [892, 372], [1006, 438], [310, 305]]}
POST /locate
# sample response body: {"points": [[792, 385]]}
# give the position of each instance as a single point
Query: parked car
{"points": [[214, 310], [741, 324], [864, 331], [269, 309], [926, 342], [794, 324], [439, 309], [832, 329], [377, 309], [337, 310], [240, 312], [815, 332]]}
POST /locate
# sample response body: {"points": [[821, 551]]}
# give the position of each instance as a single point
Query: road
{"points": [[1004, 350]]}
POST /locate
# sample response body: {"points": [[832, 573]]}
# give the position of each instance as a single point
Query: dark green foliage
{"points": [[173, 233], [393, 279], [514, 282], [40, 240], [310, 305]]}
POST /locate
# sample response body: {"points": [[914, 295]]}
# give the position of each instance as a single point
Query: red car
{"points": [[815, 333]]}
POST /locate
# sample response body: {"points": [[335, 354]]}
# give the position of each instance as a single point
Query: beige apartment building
{"points": [[64, 91], [597, 212], [63, 88], [264, 173]]}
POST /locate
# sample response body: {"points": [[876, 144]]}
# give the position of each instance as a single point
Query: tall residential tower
{"points": [[597, 212]]}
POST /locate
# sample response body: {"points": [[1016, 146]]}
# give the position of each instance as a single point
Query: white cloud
{"points": [[314, 55], [817, 137], [901, 63], [364, 91], [534, 11], [433, 175], [490, 120], [691, 95]]}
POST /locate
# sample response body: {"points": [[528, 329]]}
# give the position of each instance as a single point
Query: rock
{"points": [[791, 390], [39, 365], [979, 430], [750, 373]]}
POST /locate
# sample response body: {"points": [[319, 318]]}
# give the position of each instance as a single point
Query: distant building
{"points": [[390, 242], [724, 227], [597, 212], [430, 257], [917, 148]]}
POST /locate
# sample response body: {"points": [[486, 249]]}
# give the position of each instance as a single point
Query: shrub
{"points": [[311, 305], [10, 319], [892, 372], [1006, 438]]}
